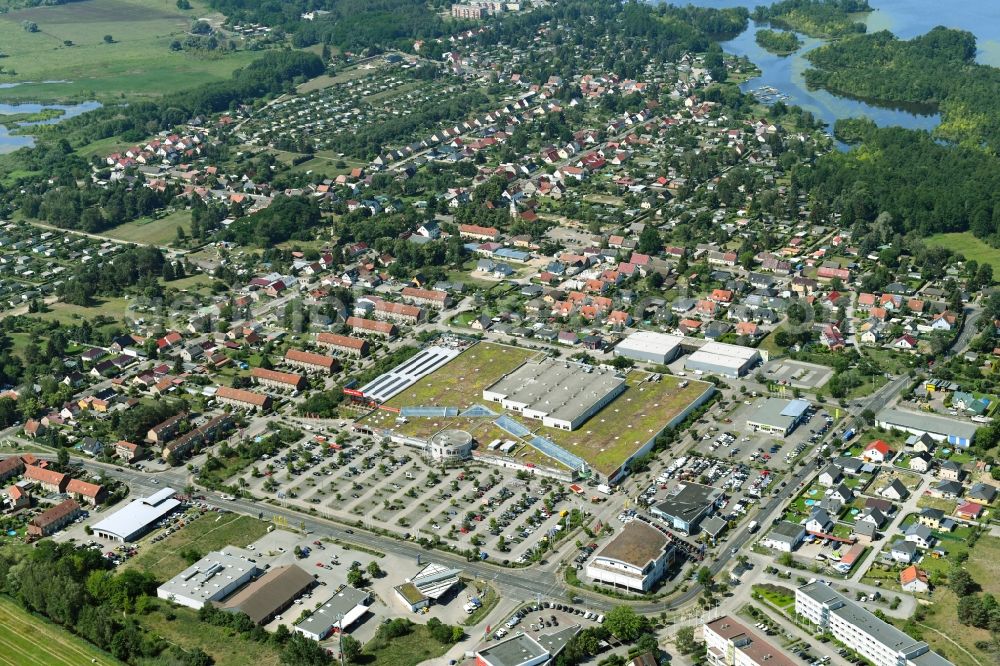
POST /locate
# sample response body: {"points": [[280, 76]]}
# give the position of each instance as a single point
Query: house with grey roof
{"points": [[895, 490]]}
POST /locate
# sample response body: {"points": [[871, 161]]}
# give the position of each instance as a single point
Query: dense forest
{"points": [[285, 219], [779, 42], [936, 69], [924, 186], [816, 18], [140, 265]]}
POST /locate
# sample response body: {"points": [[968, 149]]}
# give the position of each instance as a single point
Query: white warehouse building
{"points": [[718, 358], [650, 347], [212, 578], [562, 394]]}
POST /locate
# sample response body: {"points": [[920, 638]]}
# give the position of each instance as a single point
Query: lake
{"points": [[11, 142], [905, 18]]}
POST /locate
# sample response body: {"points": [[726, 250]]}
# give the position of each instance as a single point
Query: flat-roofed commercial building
{"points": [[778, 417], [212, 578], [270, 594], [561, 394], [343, 609], [138, 517], [429, 584], [650, 347], [875, 640], [730, 643], [636, 558], [685, 509], [523, 650], [940, 428], [717, 358]]}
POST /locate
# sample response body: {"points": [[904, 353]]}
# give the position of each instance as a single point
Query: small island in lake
{"points": [[778, 42]]}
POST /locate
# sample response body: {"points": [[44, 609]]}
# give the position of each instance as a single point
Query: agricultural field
{"points": [[210, 532], [137, 63], [28, 640], [967, 245]]}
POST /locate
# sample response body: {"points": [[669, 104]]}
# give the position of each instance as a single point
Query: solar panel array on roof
{"points": [[429, 412], [556, 452], [397, 380], [513, 427], [477, 411]]}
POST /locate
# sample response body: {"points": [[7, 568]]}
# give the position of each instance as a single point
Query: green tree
{"points": [[625, 624], [960, 582], [685, 640], [705, 578], [350, 647], [649, 240], [108, 39]]}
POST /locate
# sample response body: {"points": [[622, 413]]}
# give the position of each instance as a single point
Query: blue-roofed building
{"points": [[778, 417], [512, 254]]}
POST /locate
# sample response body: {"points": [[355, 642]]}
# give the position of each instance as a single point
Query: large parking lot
{"points": [[391, 487], [730, 439]]}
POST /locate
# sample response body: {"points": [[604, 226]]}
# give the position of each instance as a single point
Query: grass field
{"points": [[138, 64], [68, 313], [414, 648], [941, 628], [604, 441], [149, 231], [210, 532], [969, 246], [26, 640], [226, 648]]}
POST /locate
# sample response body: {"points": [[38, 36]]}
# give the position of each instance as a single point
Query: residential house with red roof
{"points": [[877, 452], [48, 479], [53, 520], [91, 493]]}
